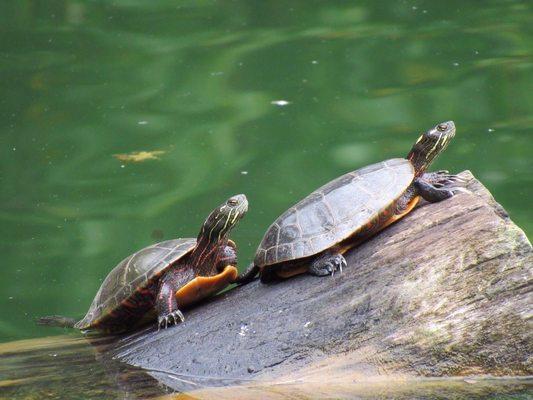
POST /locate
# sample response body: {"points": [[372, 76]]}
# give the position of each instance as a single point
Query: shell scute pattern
{"points": [[315, 217], [335, 211], [133, 274]]}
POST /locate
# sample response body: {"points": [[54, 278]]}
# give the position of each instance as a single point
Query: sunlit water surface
{"points": [[263, 98], [71, 367]]}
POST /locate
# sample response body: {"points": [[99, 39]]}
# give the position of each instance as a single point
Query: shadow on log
{"points": [[445, 291]]}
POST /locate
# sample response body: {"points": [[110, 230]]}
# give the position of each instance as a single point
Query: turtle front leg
{"points": [[438, 186], [168, 313], [327, 264]]}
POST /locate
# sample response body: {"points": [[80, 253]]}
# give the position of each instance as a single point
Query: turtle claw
{"points": [[448, 192], [173, 318], [327, 265], [456, 178], [443, 177], [343, 263], [458, 189], [444, 184], [448, 181], [332, 268]]}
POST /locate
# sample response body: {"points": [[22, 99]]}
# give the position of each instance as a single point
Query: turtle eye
{"points": [[442, 127], [233, 202]]}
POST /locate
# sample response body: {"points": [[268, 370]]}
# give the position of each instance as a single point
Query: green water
{"points": [[82, 81]]}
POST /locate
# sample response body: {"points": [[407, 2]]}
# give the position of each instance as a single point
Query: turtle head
{"points": [[223, 218], [430, 144]]}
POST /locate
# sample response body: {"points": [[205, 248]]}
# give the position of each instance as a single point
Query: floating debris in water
{"points": [[139, 156], [490, 130], [314, 62], [455, 64], [280, 103], [244, 172], [307, 324], [142, 123]]}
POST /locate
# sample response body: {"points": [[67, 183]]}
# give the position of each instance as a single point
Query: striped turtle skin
{"points": [[128, 292], [351, 204]]}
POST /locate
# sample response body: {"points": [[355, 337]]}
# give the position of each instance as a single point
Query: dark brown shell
{"points": [[133, 274], [334, 212]]}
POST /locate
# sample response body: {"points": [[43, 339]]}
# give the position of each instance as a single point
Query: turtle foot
{"points": [[173, 318], [433, 192], [440, 185], [447, 180], [452, 184], [453, 190], [443, 178], [327, 264]]}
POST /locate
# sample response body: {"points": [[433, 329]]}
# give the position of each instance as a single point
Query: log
{"points": [[446, 291]]}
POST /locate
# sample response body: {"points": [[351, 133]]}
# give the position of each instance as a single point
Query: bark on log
{"points": [[445, 291]]}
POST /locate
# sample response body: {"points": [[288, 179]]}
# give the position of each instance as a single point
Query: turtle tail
{"points": [[248, 275], [56, 320]]}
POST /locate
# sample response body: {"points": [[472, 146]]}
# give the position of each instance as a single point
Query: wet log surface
{"points": [[445, 291]]}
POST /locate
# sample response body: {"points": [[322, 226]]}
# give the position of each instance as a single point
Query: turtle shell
{"points": [[335, 212], [131, 283]]}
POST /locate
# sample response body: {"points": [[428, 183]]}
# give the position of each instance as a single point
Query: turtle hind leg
{"points": [[327, 264], [56, 320], [248, 275]]}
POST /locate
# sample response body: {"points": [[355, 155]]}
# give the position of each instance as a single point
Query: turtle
{"points": [[165, 277], [312, 236]]}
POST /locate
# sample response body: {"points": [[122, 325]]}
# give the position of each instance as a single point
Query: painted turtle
{"points": [[313, 235], [165, 276]]}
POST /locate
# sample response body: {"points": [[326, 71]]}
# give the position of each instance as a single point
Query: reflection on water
{"points": [[421, 389], [123, 123], [70, 367]]}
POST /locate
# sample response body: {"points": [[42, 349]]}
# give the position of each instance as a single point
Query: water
{"points": [[262, 98], [71, 367]]}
